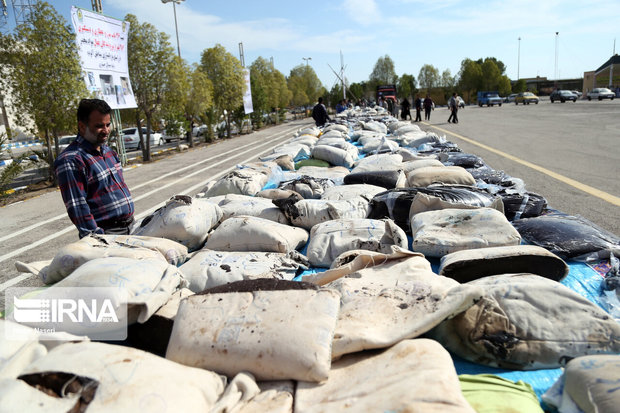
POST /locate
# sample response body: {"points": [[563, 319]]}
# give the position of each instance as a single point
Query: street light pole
{"points": [[519, 58], [556, 59], [306, 59], [176, 27]]}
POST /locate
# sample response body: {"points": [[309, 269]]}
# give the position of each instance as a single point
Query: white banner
{"points": [[102, 46], [247, 97]]}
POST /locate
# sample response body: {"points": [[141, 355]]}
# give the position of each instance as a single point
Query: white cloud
{"points": [[365, 12]]}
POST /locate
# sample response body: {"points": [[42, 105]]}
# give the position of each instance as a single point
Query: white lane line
{"points": [[64, 215], [13, 253]]}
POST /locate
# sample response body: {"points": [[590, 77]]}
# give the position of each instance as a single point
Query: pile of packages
{"points": [[366, 265]]}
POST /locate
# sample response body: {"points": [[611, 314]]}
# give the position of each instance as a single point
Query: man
{"points": [[319, 113], [341, 106], [418, 109], [90, 176], [453, 105]]}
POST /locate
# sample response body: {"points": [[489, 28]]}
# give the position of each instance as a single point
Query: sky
{"points": [[411, 32]]}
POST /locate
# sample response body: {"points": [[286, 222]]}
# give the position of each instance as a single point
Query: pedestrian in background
{"points": [[405, 109], [90, 176], [418, 108], [453, 106], [428, 106], [319, 113]]}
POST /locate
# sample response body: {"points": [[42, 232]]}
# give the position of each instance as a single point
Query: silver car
{"points": [[601, 93], [131, 138]]}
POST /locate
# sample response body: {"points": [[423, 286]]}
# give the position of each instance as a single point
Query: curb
{"points": [[20, 144]]}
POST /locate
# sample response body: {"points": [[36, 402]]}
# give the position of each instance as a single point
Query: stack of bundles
{"points": [[256, 206], [402, 204]]}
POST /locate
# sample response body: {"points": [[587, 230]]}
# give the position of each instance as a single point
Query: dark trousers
{"points": [[116, 227], [427, 113], [418, 117], [453, 116]]}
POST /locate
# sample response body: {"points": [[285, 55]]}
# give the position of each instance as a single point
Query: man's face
{"points": [[97, 129]]}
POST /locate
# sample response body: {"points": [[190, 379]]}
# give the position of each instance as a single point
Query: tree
{"points": [[500, 65], [45, 76], [269, 89], [149, 55], [228, 78], [428, 77], [503, 86], [176, 95], [490, 74], [304, 85], [470, 77], [406, 86], [383, 73], [200, 99], [520, 86], [447, 80], [356, 91]]}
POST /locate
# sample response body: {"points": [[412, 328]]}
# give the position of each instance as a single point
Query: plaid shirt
{"points": [[92, 186]]}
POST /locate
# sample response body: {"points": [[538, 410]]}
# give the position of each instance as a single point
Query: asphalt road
{"points": [[567, 152]]}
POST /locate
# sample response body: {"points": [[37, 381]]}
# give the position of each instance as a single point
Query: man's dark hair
{"points": [[87, 106], [320, 100]]}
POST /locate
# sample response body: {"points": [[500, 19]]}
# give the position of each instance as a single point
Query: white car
{"points": [[131, 138], [460, 102], [65, 141], [601, 93]]}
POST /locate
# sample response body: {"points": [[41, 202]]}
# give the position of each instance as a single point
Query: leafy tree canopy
{"points": [[428, 77], [304, 85], [383, 73]]}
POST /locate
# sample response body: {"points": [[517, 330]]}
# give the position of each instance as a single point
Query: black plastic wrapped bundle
{"points": [[385, 179], [488, 175], [569, 237], [522, 205], [396, 203], [465, 160]]}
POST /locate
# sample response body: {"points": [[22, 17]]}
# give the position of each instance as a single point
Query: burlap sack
{"points": [[308, 187], [118, 378], [420, 163], [468, 265], [309, 212], [144, 285], [437, 233], [592, 382], [234, 205], [379, 145], [336, 173], [412, 376], [349, 192], [309, 130], [380, 162], [389, 298], [71, 256], [247, 181], [257, 332], [209, 268], [528, 322], [336, 156], [433, 175], [183, 219], [244, 395], [330, 239], [336, 127], [244, 233]]}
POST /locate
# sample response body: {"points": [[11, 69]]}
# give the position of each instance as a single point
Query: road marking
{"points": [[568, 181], [64, 215]]}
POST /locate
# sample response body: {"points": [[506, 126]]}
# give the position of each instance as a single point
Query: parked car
{"points": [[460, 102], [562, 96], [578, 93], [65, 141], [489, 99], [132, 138], [526, 98], [601, 93], [510, 98]]}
